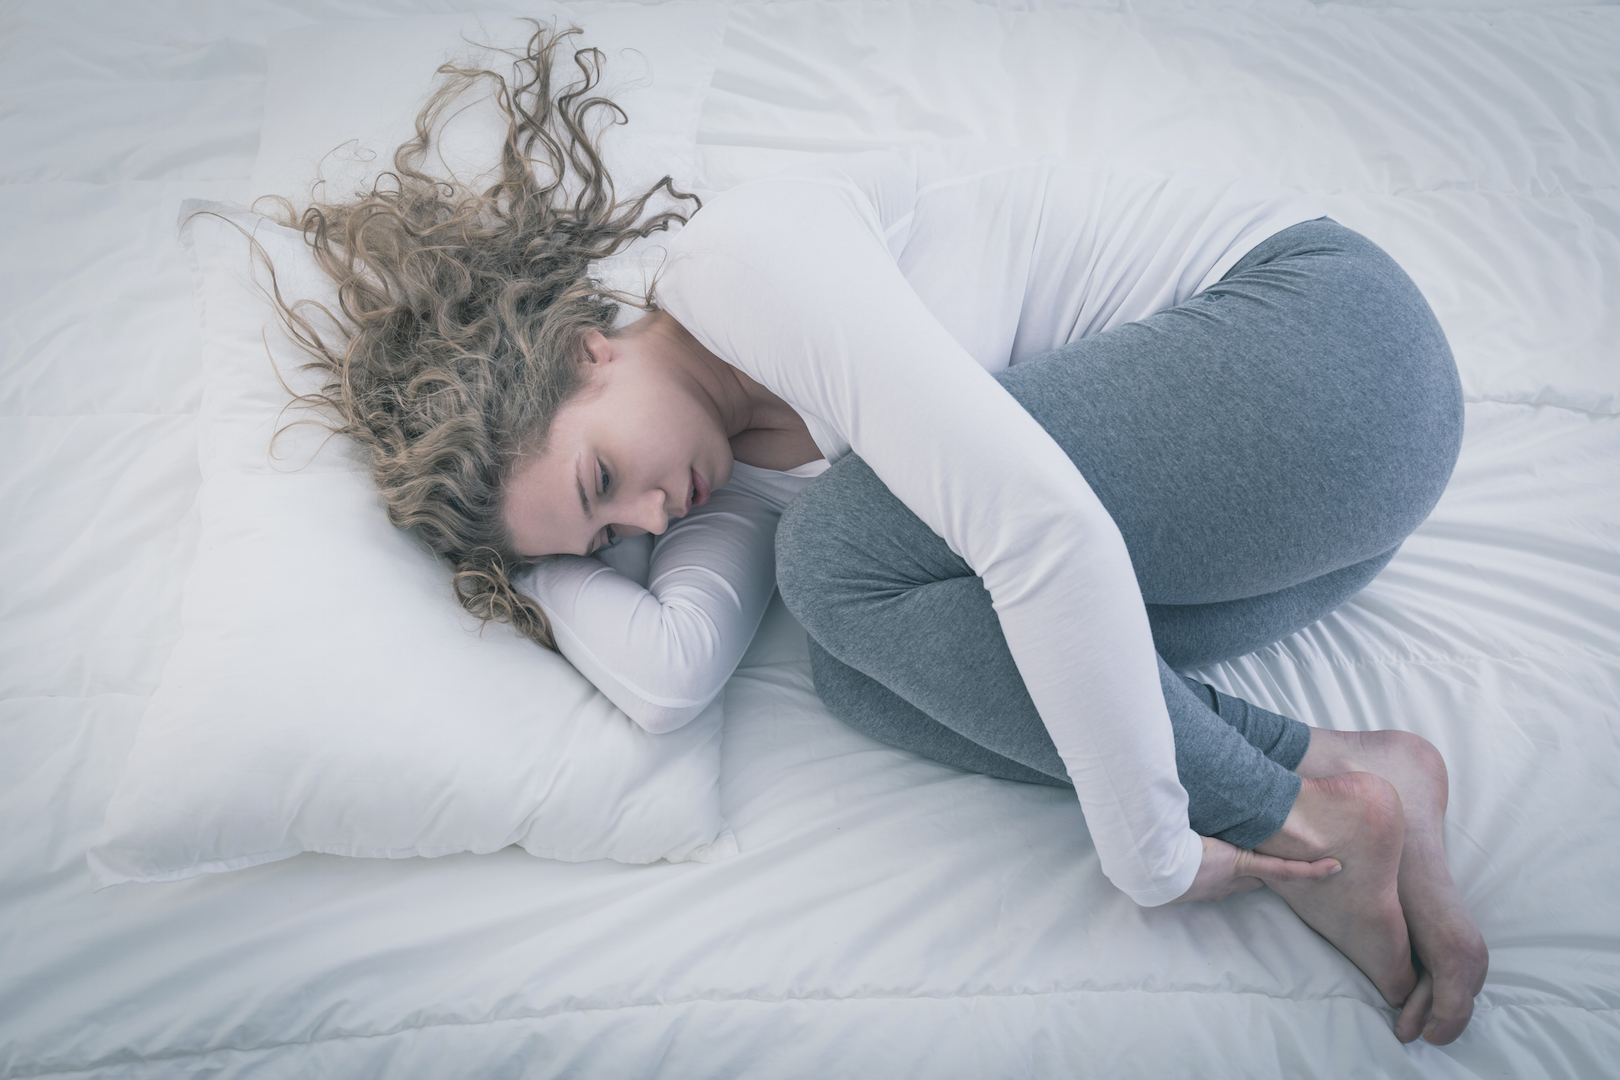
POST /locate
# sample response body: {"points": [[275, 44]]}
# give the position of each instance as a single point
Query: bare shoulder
{"points": [[775, 448]]}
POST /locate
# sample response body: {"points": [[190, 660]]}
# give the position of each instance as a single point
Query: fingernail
{"points": [[1336, 868], [1428, 1029]]}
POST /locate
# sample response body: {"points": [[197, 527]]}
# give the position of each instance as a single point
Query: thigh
{"points": [[1191, 635], [871, 708], [924, 667], [1300, 417], [1261, 459], [847, 544]]}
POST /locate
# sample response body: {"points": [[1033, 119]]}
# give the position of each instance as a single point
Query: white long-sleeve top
{"points": [[658, 624], [877, 294]]}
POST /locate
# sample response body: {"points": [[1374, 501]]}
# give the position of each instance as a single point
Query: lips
{"points": [[701, 488]]}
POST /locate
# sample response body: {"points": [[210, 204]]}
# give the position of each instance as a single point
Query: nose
{"points": [[650, 513]]}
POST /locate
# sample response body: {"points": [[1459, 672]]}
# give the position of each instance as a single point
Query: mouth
{"points": [[700, 490]]}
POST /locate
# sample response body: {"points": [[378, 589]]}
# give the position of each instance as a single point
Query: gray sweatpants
{"points": [[1264, 448]]}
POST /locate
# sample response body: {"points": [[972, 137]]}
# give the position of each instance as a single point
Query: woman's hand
{"points": [[1227, 869]]}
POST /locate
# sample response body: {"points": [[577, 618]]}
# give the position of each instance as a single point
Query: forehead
{"points": [[540, 499]]}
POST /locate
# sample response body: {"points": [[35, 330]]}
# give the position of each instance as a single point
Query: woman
{"points": [[1048, 394]]}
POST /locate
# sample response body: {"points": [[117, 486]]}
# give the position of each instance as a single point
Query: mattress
{"points": [[886, 916]]}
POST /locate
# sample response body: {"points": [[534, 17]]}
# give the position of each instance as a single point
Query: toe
{"points": [[1410, 1024], [1453, 1004], [1443, 1028], [1401, 987]]}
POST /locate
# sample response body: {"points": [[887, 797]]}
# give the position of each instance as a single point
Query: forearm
{"points": [[662, 652]]}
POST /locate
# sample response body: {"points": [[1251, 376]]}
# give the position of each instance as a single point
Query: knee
{"points": [[1420, 459], [847, 539], [843, 690], [1422, 389], [815, 543], [798, 536]]}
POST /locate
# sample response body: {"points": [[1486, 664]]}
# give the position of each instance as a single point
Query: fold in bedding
{"points": [[887, 916]]}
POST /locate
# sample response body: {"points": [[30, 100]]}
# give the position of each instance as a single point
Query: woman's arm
{"points": [[792, 281], [661, 653]]}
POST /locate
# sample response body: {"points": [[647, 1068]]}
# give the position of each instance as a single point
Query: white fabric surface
{"points": [[328, 694], [886, 916]]}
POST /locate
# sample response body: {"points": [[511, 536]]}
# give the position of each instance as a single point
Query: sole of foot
{"points": [[1447, 942], [1354, 817]]}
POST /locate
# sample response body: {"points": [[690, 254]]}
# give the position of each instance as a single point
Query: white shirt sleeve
{"points": [[792, 281], [663, 652]]}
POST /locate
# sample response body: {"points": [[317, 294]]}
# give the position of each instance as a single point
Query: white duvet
{"points": [[886, 916]]}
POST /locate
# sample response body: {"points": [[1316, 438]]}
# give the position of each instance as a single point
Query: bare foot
{"points": [[1354, 817], [1448, 944]]}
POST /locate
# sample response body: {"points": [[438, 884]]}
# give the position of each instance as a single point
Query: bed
{"points": [[882, 915]]}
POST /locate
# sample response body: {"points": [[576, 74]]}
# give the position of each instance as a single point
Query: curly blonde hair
{"points": [[466, 310]]}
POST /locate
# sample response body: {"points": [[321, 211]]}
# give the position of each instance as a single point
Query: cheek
{"points": [[532, 507], [681, 430], [664, 431]]}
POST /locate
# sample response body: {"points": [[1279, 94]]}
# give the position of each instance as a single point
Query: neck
{"points": [[740, 403]]}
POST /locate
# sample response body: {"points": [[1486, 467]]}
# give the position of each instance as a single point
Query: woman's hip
{"points": [[1300, 416]]}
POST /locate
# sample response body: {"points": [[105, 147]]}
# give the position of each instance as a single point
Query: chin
{"points": [[722, 472]]}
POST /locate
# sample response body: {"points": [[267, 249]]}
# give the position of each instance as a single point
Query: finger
{"points": [[1271, 868], [1247, 884], [1409, 1025]]}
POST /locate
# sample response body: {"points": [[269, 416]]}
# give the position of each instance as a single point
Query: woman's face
{"points": [[638, 445]]}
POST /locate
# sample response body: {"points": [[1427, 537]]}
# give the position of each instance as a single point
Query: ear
{"points": [[598, 347]]}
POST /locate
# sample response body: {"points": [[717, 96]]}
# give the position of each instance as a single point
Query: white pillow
{"points": [[327, 693]]}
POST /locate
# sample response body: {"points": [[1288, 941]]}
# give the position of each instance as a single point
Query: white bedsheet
{"points": [[887, 916]]}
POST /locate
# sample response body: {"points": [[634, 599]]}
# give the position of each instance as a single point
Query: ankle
{"points": [[1330, 810], [1301, 835], [1330, 753]]}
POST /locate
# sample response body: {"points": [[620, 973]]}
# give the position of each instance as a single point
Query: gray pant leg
{"points": [[1280, 738], [1264, 448], [873, 709], [1192, 635], [1299, 417], [1216, 738], [908, 639]]}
